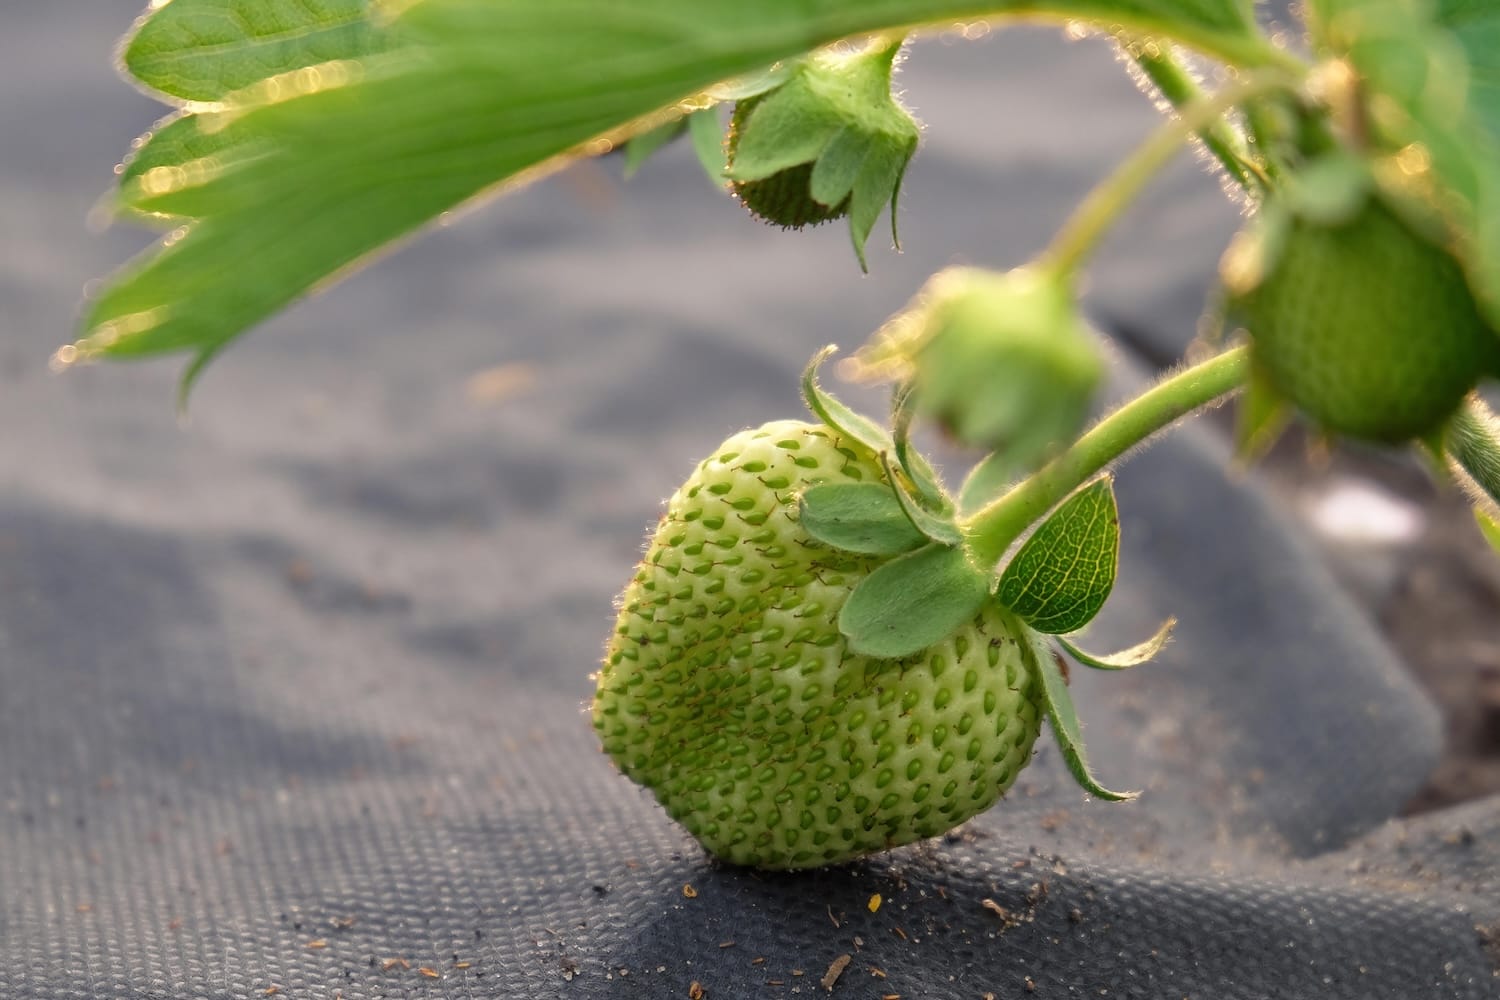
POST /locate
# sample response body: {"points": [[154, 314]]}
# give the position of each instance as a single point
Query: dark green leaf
{"points": [[937, 527], [202, 50], [859, 517], [1060, 711], [447, 99], [1061, 577], [827, 408], [913, 601], [1125, 658]]}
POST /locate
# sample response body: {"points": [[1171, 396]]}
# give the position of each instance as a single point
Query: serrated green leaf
{"points": [[173, 144], [1061, 713], [939, 528], [1489, 527], [913, 601], [641, 147], [859, 517], [203, 50], [1125, 658], [828, 408], [1062, 576], [446, 100]]}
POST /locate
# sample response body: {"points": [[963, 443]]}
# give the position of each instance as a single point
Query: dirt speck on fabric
{"points": [[835, 970]]}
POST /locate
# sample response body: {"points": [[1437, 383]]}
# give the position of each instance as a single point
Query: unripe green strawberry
{"points": [[728, 690], [1367, 327]]}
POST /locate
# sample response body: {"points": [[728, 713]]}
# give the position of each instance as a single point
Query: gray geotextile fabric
{"points": [[292, 690]]}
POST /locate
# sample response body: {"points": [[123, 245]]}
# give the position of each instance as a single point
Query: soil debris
{"points": [[835, 970]]}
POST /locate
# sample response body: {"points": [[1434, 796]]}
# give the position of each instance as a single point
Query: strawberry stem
{"points": [[1224, 142], [992, 530], [1109, 200]]}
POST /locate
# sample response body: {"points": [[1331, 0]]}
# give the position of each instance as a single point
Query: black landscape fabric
{"points": [[292, 690]]}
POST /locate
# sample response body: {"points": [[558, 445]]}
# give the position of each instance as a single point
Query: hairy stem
{"points": [[993, 529], [1104, 205], [1178, 87]]}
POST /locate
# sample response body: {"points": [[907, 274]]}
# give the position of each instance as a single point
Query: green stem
{"points": [[1104, 205], [1178, 87], [993, 529]]}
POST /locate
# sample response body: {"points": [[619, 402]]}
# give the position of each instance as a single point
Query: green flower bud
{"points": [[830, 141], [1003, 361]]}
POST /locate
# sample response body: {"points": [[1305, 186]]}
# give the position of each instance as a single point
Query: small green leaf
{"points": [[1061, 577], [202, 50], [874, 188], [859, 517], [834, 173], [1125, 658], [1489, 527], [639, 149], [827, 408], [913, 601], [937, 527], [1062, 714], [988, 480], [708, 142]]}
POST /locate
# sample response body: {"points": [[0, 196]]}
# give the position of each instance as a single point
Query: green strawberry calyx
{"points": [[933, 582], [829, 140]]}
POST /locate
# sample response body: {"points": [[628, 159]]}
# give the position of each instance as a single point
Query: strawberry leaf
{"points": [[1062, 576], [912, 602], [427, 105], [201, 50], [859, 517], [1125, 658], [1062, 714]]}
